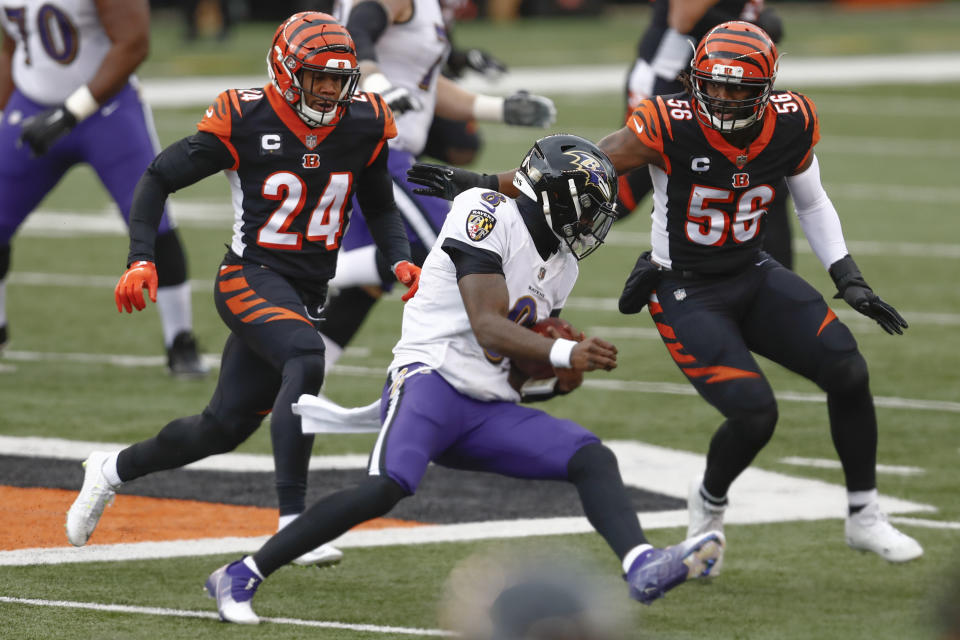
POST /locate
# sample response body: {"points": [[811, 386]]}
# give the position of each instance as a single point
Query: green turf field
{"points": [[888, 155]]}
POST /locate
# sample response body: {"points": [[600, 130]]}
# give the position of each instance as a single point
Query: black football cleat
{"points": [[183, 359]]}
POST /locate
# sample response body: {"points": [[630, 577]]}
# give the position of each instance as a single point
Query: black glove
{"points": [[854, 289], [400, 100], [526, 109], [42, 130], [447, 182], [478, 60], [481, 61], [640, 283]]}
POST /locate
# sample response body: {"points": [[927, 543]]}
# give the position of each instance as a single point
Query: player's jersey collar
{"points": [[732, 153], [546, 242], [293, 122]]}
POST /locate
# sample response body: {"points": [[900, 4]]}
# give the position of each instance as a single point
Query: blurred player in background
{"points": [[402, 46], [451, 395], [191, 18], [664, 51], [293, 151], [457, 142], [519, 595], [69, 95]]}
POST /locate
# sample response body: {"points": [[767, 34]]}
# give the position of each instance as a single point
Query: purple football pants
{"points": [[427, 420], [117, 141]]}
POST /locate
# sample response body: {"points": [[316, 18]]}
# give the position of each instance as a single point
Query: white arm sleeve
{"points": [[817, 215]]}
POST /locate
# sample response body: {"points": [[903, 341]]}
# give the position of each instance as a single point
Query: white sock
{"points": [[333, 353], [3, 302], [861, 498], [633, 554], [173, 304], [712, 500], [285, 520], [248, 560], [109, 470]]}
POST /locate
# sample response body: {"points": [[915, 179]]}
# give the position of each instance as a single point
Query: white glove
{"points": [[399, 99]]}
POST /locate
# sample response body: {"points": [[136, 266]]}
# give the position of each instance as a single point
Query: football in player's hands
{"points": [[542, 370]]}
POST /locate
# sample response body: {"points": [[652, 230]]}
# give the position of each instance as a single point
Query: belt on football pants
{"points": [[686, 274]]}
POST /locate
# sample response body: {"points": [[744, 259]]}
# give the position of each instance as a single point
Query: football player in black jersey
{"points": [[294, 151], [663, 52], [717, 154]]}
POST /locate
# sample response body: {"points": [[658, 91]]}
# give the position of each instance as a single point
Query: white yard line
{"points": [[757, 497], [794, 72], [873, 146], [37, 279], [628, 386], [63, 449], [926, 524], [822, 463], [210, 615]]}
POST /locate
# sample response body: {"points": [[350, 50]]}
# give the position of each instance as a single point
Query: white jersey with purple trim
{"points": [[436, 330], [411, 54], [59, 46]]}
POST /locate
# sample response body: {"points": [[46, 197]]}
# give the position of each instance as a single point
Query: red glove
{"points": [[129, 290], [408, 274]]}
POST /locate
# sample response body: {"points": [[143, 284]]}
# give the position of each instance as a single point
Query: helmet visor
{"points": [[730, 105], [592, 228]]}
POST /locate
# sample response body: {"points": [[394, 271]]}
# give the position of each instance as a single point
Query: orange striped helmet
{"points": [[313, 42], [734, 57]]}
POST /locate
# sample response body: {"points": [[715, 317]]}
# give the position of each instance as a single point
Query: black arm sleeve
{"points": [[375, 196], [366, 23], [183, 163]]}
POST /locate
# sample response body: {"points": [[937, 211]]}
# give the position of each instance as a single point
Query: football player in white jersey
{"points": [[68, 96], [402, 46], [717, 153], [451, 398]]}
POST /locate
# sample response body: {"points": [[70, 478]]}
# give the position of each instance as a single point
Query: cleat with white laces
{"points": [[233, 586], [323, 556], [868, 530], [704, 516], [656, 571], [95, 495]]}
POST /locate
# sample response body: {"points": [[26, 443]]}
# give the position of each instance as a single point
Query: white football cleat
{"points": [[95, 494], [322, 556], [704, 516], [233, 586], [868, 530]]}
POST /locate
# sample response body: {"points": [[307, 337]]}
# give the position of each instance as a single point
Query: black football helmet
{"points": [[576, 184]]}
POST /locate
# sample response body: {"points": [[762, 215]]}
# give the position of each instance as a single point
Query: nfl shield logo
{"points": [[741, 161], [479, 225], [310, 141], [542, 274]]}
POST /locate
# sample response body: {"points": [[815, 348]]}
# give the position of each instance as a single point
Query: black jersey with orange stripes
{"points": [[710, 197], [292, 184]]}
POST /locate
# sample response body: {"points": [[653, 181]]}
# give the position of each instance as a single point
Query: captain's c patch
{"points": [[479, 225]]}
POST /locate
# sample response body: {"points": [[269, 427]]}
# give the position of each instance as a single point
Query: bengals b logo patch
{"points": [[479, 225]]}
